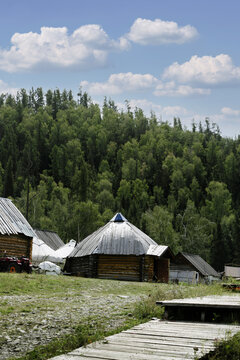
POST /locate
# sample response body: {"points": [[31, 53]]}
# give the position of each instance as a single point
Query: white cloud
{"points": [[157, 32], [144, 104], [230, 112], [6, 89], [129, 82], [119, 83], [174, 111], [172, 89], [87, 47], [206, 70]]}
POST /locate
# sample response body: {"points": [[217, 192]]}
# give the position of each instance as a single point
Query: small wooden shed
{"points": [[16, 233], [185, 262], [119, 250]]}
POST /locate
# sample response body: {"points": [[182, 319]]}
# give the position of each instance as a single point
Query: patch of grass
{"points": [[29, 284], [35, 284], [7, 310], [228, 349], [2, 340]]}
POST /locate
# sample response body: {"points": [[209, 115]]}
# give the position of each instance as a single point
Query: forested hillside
{"points": [[69, 166]]}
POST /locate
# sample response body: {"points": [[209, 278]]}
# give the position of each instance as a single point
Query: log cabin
{"points": [[121, 251], [16, 233]]}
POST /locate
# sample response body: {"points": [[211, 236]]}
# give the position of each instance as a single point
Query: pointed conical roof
{"points": [[117, 237], [118, 218]]}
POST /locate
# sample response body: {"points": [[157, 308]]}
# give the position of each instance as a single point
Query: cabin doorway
{"points": [[161, 270]]}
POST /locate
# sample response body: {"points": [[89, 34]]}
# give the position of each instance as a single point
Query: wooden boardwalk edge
{"points": [[156, 340]]}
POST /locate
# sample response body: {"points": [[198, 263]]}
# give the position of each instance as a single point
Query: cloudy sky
{"points": [[176, 58]]}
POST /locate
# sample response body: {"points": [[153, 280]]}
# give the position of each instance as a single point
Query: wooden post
{"points": [[142, 267]]}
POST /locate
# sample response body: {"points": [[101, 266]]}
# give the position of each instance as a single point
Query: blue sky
{"points": [[177, 58]]}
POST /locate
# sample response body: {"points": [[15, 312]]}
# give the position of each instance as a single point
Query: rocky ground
{"points": [[28, 321]]}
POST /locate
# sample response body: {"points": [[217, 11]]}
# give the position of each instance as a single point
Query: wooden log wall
{"points": [[93, 266], [156, 269], [16, 245], [119, 267], [148, 268], [77, 266], [85, 266], [163, 270]]}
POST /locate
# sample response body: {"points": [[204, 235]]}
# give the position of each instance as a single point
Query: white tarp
{"points": [[66, 249], [48, 268], [42, 252]]}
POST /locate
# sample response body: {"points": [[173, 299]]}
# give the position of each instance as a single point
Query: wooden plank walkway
{"points": [[155, 340], [223, 301], [226, 308]]}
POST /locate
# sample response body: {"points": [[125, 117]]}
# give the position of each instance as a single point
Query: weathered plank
{"points": [[127, 355], [156, 340], [167, 339], [206, 301]]}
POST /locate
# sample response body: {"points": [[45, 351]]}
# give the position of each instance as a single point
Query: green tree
{"points": [[85, 219], [8, 179], [218, 209], [196, 232], [159, 227]]}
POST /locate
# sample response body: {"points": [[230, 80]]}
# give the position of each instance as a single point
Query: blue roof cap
{"points": [[118, 218]]}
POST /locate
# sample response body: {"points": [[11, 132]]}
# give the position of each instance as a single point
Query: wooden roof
{"points": [[117, 237], [198, 263], [50, 238], [12, 220]]}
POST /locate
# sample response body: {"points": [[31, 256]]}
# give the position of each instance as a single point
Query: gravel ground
{"points": [[36, 320]]}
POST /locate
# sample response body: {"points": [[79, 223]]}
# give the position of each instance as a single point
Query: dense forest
{"points": [[69, 165]]}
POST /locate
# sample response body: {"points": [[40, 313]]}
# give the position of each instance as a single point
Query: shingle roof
{"points": [[50, 238], [117, 237], [201, 265], [12, 220]]}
